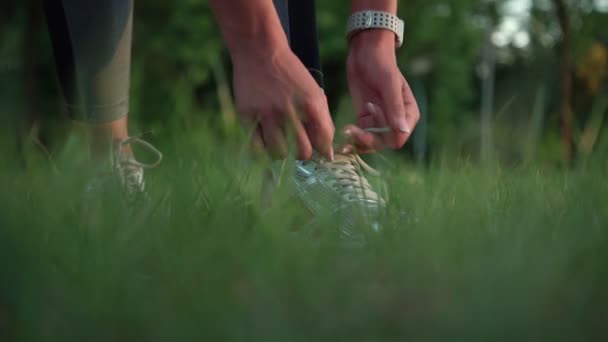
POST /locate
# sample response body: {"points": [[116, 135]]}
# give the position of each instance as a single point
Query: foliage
{"points": [[511, 252], [465, 255], [181, 72]]}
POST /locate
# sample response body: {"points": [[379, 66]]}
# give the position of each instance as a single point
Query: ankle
{"points": [[122, 148], [104, 138]]}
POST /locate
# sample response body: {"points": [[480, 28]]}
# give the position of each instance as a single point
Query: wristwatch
{"points": [[365, 20]]}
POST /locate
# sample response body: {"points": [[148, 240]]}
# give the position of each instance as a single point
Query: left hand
{"points": [[381, 95]]}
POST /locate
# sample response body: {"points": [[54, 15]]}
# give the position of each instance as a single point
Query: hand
{"points": [[275, 94], [381, 94]]}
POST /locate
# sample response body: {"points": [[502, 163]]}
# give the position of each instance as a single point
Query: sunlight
{"points": [[512, 29]]}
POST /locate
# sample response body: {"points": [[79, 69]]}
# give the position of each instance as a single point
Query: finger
{"points": [[363, 141], [359, 101], [388, 136], [257, 142], [412, 110], [274, 137], [394, 109], [319, 126], [352, 148], [304, 146], [367, 120], [254, 133], [347, 148]]}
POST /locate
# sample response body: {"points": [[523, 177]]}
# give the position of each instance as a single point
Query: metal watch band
{"points": [[365, 20]]}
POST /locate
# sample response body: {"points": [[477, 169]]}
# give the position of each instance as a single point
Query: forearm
{"points": [[374, 5], [249, 26]]}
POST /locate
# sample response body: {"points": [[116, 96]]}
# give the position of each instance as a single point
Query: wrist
{"points": [[389, 6], [255, 48], [249, 28], [261, 42], [373, 39]]}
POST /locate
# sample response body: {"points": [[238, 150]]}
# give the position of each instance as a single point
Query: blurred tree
{"points": [[592, 69], [567, 113], [181, 71], [177, 45], [31, 52]]}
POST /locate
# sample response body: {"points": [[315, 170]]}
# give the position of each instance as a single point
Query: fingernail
{"points": [[345, 150], [348, 132], [371, 107], [403, 128]]}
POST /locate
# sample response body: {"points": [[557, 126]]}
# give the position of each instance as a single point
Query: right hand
{"points": [[276, 95]]}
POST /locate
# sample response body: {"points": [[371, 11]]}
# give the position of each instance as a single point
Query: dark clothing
{"points": [[300, 24], [92, 47]]}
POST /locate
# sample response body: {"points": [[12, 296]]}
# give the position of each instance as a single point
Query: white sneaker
{"points": [[129, 171], [339, 188], [124, 171]]}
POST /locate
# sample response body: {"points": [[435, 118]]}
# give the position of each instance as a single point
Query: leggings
{"points": [[92, 47]]}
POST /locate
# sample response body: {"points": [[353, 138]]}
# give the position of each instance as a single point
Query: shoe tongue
{"points": [[125, 159], [343, 163], [345, 158], [341, 160], [122, 156]]}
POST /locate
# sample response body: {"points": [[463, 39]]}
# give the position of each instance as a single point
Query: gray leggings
{"points": [[92, 47]]}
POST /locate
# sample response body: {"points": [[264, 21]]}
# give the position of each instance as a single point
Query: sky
{"points": [[512, 29], [602, 5]]}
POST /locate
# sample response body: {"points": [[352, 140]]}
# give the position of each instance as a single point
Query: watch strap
{"points": [[364, 20]]}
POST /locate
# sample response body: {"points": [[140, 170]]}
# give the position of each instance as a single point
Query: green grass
{"points": [[466, 254]]}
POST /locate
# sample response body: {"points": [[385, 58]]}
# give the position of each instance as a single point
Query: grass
{"points": [[466, 254]]}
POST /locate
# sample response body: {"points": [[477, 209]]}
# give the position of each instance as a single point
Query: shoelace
{"points": [[347, 170], [349, 179], [128, 169], [132, 161]]}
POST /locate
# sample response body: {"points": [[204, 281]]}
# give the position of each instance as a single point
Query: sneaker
{"points": [[339, 189], [129, 171], [125, 171]]}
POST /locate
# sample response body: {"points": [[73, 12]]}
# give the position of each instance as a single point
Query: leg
{"points": [[92, 46]]}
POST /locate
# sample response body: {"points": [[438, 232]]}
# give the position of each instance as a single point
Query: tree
{"points": [[567, 113]]}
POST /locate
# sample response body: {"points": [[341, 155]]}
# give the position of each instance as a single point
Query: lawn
{"points": [[466, 254]]}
